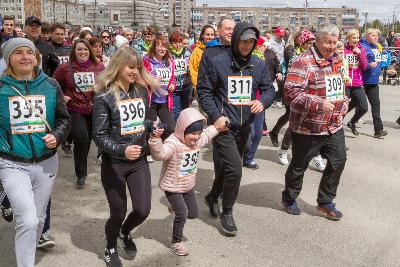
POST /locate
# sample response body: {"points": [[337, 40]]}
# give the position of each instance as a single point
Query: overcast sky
{"points": [[381, 9]]}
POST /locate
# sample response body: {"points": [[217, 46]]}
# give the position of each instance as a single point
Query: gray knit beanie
{"points": [[14, 43]]}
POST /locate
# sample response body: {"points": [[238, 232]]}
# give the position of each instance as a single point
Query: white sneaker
{"points": [[150, 159], [318, 164], [283, 157], [277, 105], [99, 160]]}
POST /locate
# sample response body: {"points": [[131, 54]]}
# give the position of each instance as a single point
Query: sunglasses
{"points": [[105, 37]]}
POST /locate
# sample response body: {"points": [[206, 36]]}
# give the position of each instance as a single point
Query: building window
{"points": [[115, 17]]}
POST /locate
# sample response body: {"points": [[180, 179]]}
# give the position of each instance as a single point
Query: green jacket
{"points": [[21, 128]]}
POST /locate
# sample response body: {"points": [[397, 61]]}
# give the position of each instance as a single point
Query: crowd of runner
{"points": [[145, 96]]}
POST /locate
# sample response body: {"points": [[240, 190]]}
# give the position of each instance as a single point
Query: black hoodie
{"points": [[212, 84]]}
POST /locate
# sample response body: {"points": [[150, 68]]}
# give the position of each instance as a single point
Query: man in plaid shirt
{"points": [[314, 89]]}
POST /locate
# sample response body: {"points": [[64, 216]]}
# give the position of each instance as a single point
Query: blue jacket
{"points": [[216, 65], [371, 75], [21, 129], [386, 59]]}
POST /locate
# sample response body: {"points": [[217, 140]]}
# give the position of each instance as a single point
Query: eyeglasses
{"points": [[105, 37]]}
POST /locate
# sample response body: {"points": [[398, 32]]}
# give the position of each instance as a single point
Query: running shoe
{"points": [[228, 223], [129, 246], [398, 122], [380, 134], [99, 160], [318, 164], [45, 242], [179, 249], [330, 211], [213, 205], [150, 159], [80, 182], [7, 213], [111, 258], [283, 157], [291, 207], [252, 165]]}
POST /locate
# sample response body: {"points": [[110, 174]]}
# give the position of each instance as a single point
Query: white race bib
{"points": [[353, 61], [384, 57], [334, 87], [181, 66], [23, 118], [84, 80], [239, 90], [164, 76], [132, 114], [189, 162], [377, 55], [63, 59]]}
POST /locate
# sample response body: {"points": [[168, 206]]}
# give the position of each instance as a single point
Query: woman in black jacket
{"points": [[120, 110]]}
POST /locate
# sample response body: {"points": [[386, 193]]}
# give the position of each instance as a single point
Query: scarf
{"points": [[258, 54], [176, 53]]}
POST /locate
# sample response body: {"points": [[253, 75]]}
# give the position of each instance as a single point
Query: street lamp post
{"points": [[94, 14], [66, 11], [306, 13], [54, 10], [192, 9], [174, 15]]}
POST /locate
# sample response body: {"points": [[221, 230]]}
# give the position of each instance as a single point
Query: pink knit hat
{"points": [[305, 36]]}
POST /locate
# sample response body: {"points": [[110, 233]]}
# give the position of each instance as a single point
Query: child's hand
{"points": [[157, 133]]}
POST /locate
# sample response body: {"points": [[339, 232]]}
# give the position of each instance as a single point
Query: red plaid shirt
{"points": [[305, 91]]}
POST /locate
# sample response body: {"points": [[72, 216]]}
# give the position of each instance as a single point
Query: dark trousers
{"points": [[304, 148], [279, 93], [230, 147], [185, 207], [166, 117], [115, 177], [372, 92], [81, 134], [287, 141], [181, 101], [46, 226], [358, 100], [384, 74]]}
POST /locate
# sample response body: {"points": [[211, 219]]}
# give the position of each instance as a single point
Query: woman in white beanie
{"points": [[33, 122], [121, 41]]}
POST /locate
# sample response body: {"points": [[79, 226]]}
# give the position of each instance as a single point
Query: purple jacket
{"points": [[357, 63]]}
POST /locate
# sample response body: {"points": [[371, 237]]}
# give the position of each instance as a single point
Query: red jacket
{"points": [[81, 101]]}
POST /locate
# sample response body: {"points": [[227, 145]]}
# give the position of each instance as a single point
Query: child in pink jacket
{"points": [[179, 153]]}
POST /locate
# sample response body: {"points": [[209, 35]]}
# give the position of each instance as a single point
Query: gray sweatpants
{"points": [[28, 187]]}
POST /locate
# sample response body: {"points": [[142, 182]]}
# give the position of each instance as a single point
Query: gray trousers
{"points": [[28, 187]]}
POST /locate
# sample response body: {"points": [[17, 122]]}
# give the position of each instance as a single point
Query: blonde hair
{"points": [[371, 31], [107, 81], [351, 33], [292, 40]]}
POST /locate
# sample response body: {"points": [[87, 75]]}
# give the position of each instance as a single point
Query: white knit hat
{"points": [[120, 40]]}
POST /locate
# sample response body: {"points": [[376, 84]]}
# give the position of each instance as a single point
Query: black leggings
{"points": [[115, 177], [166, 117], [185, 207], [81, 134]]}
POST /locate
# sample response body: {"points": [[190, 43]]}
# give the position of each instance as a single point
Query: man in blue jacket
{"points": [[227, 88]]}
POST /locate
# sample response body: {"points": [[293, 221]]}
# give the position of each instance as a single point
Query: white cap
{"points": [[120, 40]]}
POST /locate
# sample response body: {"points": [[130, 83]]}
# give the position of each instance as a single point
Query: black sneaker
{"points": [[252, 165], [7, 213], [213, 205], [45, 242], [129, 246], [111, 258], [81, 181], [228, 223], [274, 139], [291, 207], [352, 128], [380, 134], [66, 147], [398, 122]]}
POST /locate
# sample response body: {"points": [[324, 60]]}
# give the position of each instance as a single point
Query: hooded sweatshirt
{"points": [[371, 75], [21, 130], [179, 168], [166, 76], [230, 67], [357, 63]]}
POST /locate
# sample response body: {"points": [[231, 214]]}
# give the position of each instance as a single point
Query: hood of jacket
{"points": [[237, 32], [21, 84], [187, 117], [200, 45], [366, 43], [213, 43]]}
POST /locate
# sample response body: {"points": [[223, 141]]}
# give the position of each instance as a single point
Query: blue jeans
{"points": [[181, 101], [255, 137]]}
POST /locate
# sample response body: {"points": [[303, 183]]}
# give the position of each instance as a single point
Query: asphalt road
{"points": [[368, 235]]}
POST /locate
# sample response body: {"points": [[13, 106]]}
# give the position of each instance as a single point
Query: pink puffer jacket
{"points": [[357, 63], [179, 168]]}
